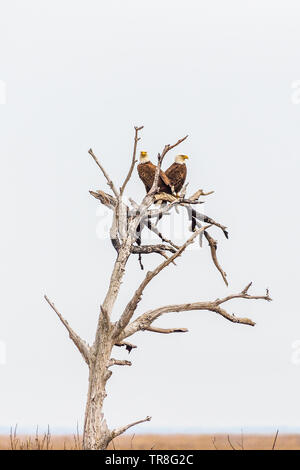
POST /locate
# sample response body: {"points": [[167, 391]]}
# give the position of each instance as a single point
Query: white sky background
{"points": [[82, 74]]}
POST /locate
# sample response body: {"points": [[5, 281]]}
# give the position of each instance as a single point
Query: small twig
{"points": [[199, 193], [118, 431], [213, 249], [244, 291], [133, 162], [109, 181]]}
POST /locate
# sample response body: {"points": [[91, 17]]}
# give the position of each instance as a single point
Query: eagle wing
{"points": [[146, 173], [177, 175]]}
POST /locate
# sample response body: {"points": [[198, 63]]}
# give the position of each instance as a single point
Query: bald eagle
{"points": [[146, 171], [177, 172]]}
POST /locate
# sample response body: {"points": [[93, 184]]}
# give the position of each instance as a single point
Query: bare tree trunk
{"points": [[96, 434]]}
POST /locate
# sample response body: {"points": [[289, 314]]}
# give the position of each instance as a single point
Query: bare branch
{"points": [[147, 318], [213, 250], [81, 345], [177, 200], [118, 431], [199, 193], [109, 181], [132, 304], [165, 197], [104, 198], [244, 291], [136, 139], [170, 147], [148, 249], [118, 362], [166, 330]]}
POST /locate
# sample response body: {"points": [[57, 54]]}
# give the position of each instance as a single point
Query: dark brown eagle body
{"points": [[177, 175], [146, 173]]}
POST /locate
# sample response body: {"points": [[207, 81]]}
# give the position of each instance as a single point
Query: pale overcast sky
{"points": [[81, 74]]}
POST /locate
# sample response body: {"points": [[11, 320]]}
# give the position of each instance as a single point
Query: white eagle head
{"points": [[144, 158], [181, 158]]}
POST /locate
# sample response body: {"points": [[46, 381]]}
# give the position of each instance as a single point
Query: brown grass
{"points": [[155, 441]]}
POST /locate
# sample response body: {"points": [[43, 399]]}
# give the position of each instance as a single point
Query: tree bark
{"points": [[96, 434]]}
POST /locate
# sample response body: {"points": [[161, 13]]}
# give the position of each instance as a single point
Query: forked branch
{"points": [[133, 162], [146, 319]]}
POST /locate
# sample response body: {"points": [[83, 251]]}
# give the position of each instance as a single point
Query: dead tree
{"points": [[127, 224]]}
